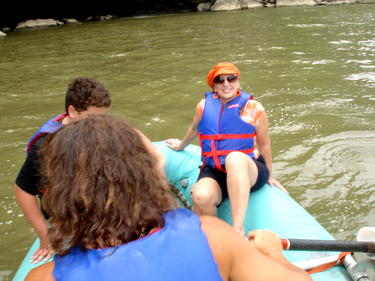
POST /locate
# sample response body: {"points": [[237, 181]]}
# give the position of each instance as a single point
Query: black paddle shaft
{"points": [[331, 245]]}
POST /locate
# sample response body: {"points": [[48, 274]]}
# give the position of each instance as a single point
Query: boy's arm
{"points": [[159, 157], [30, 207]]}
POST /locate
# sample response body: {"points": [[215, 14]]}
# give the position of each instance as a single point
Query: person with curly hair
{"points": [[85, 97], [228, 123], [117, 219]]}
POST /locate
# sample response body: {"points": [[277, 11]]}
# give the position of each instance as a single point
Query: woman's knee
{"points": [[204, 194], [237, 158]]}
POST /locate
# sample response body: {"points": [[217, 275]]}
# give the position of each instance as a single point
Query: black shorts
{"points": [[221, 177]]}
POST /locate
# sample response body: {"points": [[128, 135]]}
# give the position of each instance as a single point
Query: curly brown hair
{"points": [[84, 92], [103, 188]]}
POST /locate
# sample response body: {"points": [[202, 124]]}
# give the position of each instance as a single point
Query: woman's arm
{"points": [[260, 260], [159, 157], [264, 144]]}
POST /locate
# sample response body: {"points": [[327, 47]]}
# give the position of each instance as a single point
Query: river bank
{"points": [[217, 6]]}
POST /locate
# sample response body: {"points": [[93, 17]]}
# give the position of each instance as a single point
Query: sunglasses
{"points": [[231, 79]]}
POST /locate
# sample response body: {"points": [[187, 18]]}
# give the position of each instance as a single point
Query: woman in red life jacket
{"points": [[112, 217], [229, 123]]}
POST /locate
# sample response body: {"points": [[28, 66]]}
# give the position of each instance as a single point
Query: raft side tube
{"points": [[26, 266], [268, 207], [184, 164]]}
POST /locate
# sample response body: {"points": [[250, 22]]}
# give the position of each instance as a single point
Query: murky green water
{"points": [[312, 68]]}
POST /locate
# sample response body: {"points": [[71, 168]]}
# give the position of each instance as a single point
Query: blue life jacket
{"points": [[50, 126], [222, 131], [179, 251]]}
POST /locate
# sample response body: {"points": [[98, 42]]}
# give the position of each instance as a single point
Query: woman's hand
{"points": [[273, 182], [266, 242], [42, 252], [174, 144]]}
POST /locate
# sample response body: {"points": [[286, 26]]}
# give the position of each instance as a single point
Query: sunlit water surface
{"points": [[311, 67]]}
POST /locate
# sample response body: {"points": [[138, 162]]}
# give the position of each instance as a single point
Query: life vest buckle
{"points": [[219, 137]]}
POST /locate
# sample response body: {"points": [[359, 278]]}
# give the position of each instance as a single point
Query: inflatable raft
{"points": [[268, 207]]}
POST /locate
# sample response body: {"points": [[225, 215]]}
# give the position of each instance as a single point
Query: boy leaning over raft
{"points": [[85, 96]]}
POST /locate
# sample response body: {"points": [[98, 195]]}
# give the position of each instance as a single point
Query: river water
{"points": [[312, 68]]}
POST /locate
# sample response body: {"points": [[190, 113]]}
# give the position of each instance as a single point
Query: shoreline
{"points": [[40, 23]]}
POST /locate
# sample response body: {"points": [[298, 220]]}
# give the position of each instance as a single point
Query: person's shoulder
{"points": [[254, 102], [201, 103], [34, 149], [253, 106], [218, 231], [42, 139], [39, 142], [42, 272], [252, 111], [200, 107]]}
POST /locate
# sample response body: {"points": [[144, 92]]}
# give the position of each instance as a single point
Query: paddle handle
{"points": [[328, 245]]}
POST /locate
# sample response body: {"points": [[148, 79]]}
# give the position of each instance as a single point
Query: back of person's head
{"points": [[84, 92], [103, 187]]}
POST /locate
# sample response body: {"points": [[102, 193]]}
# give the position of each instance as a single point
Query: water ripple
{"points": [[337, 175]]}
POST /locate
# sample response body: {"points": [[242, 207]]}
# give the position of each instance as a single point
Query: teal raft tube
{"points": [[268, 208]]}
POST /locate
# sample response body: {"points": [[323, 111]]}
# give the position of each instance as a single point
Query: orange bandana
{"points": [[221, 68]]}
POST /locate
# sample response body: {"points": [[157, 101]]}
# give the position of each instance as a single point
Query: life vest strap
{"points": [[329, 265], [216, 157], [33, 141], [226, 152], [216, 153], [226, 136]]}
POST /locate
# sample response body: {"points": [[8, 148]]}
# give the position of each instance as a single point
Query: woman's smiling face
{"points": [[226, 85]]}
